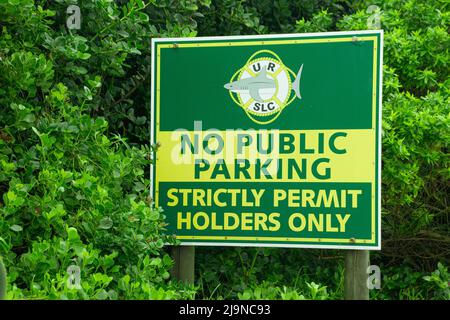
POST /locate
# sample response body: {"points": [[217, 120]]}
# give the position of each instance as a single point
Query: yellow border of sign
{"points": [[276, 42]]}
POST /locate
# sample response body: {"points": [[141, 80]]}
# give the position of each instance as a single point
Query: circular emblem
{"points": [[264, 86]]}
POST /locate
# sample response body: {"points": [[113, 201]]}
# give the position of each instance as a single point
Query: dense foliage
{"points": [[74, 151]]}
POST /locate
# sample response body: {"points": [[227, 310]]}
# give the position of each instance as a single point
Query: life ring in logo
{"points": [[263, 87]]}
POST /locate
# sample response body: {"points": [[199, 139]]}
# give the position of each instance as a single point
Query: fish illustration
{"points": [[253, 85], [260, 82]]}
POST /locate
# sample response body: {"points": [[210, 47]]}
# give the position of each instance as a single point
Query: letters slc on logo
{"points": [[264, 86]]}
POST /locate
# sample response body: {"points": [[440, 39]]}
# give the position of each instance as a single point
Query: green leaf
{"points": [[124, 282], [84, 55], [156, 262], [29, 118], [154, 215], [16, 228], [87, 93], [36, 131], [3, 244], [47, 141], [123, 33], [141, 120], [140, 4], [72, 234], [143, 17], [106, 223]]}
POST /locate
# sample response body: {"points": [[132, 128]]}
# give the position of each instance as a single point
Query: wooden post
{"points": [[184, 263], [355, 275]]}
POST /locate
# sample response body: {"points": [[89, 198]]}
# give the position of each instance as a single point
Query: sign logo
{"points": [[264, 86]]}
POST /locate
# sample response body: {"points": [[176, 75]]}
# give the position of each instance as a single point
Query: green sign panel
{"points": [[269, 140]]}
